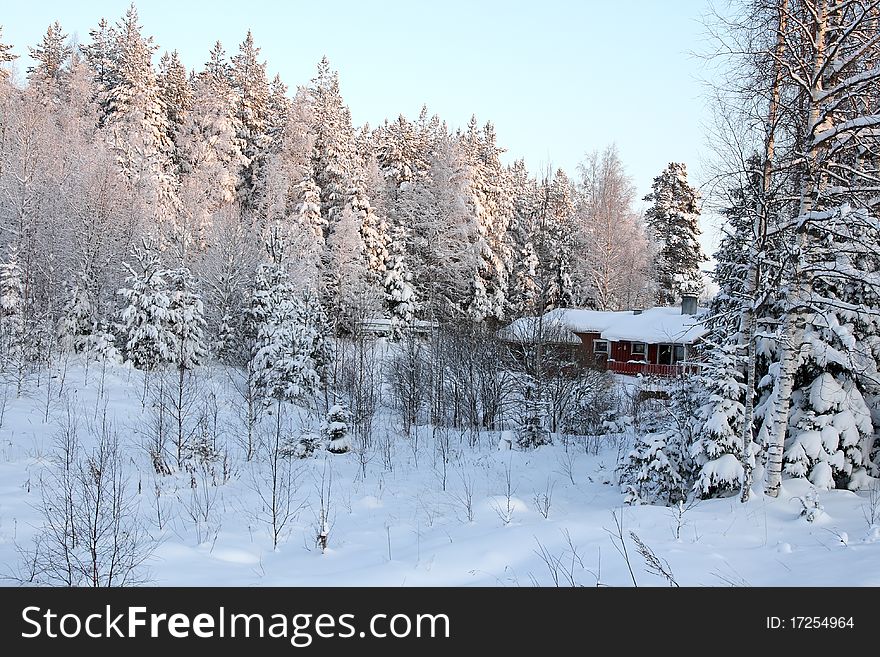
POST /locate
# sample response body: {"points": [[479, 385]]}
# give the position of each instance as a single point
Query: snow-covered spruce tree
{"points": [[672, 220], [208, 141], [660, 469], [554, 241], [374, 231], [16, 339], [335, 429], [723, 415], [11, 292], [522, 297], [210, 164], [186, 319], [831, 437], [400, 297], [532, 431], [175, 93], [282, 351], [100, 54], [78, 322], [12, 321], [278, 110], [319, 333], [717, 450], [144, 326]]}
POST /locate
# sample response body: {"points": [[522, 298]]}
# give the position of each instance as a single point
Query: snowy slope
{"points": [[406, 522]]}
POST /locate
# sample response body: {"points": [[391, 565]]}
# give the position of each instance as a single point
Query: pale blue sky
{"points": [[557, 78]]}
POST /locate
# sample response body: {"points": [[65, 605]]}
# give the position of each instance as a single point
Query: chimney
{"points": [[688, 304]]}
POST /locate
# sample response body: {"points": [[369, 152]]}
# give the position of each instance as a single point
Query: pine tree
{"points": [[51, 56], [6, 56], [145, 319], [672, 219], [248, 79]]}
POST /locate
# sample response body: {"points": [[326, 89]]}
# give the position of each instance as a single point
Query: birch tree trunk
{"points": [[792, 337], [748, 319]]}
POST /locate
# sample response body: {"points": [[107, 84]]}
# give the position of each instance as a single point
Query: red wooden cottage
{"points": [[659, 341]]}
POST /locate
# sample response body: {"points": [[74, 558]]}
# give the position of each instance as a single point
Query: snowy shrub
{"points": [[811, 510], [90, 534], [335, 429], [532, 430], [593, 409], [307, 445], [408, 374], [102, 344], [475, 388]]}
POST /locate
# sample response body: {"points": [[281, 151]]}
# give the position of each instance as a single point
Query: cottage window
{"points": [[600, 347], [639, 349], [664, 354], [678, 353]]}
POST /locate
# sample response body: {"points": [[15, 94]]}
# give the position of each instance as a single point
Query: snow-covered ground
{"points": [[407, 522]]}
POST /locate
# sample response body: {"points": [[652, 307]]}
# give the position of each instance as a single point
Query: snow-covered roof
{"points": [[383, 324], [652, 325], [527, 329]]}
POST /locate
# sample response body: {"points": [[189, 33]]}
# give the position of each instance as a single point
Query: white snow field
{"points": [[406, 521]]}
